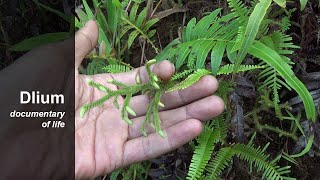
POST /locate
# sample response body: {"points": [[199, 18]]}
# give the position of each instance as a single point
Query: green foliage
{"points": [[202, 164], [116, 68], [138, 25], [303, 4], [252, 29], [135, 171], [280, 43], [37, 41], [206, 141], [259, 159], [272, 58], [199, 38], [191, 79], [229, 68], [95, 67], [221, 161], [84, 17]]}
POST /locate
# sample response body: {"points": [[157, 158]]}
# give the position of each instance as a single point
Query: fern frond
{"points": [[239, 39], [221, 125], [202, 152], [181, 75], [116, 68], [252, 29], [273, 59], [199, 39], [95, 67], [228, 69], [259, 159], [219, 163], [239, 9], [272, 79], [191, 79], [285, 21], [139, 24]]}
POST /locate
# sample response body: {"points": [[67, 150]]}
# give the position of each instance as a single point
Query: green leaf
{"points": [[252, 29], [117, 3], [150, 23], [303, 4], [216, 56], [88, 10], [37, 41], [193, 78], [220, 162], [231, 55], [202, 153], [133, 12], [182, 56], [229, 68], [189, 28], [306, 149], [272, 58], [102, 35], [142, 16], [132, 37], [202, 54], [83, 18], [201, 28], [281, 3], [112, 16]]}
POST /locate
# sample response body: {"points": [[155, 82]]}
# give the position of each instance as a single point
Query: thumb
{"points": [[85, 40]]}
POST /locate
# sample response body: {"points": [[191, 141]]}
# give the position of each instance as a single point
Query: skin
{"points": [[104, 142]]}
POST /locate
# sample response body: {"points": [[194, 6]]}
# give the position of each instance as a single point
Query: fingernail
{"points": [[173, 68], [88, 23]]}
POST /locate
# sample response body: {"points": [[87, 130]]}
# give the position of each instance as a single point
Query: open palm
{"points": [[104, 142]]}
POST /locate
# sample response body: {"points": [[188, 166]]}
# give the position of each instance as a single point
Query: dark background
{"points": [[27, 150]]}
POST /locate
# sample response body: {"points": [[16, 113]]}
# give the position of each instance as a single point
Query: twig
{"points": [[128, 5], [154, 10]]}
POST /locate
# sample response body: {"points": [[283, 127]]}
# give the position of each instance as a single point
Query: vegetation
{"points": [[241, 39]]}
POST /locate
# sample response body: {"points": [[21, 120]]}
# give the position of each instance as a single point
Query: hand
{"points": [[104, 142]]}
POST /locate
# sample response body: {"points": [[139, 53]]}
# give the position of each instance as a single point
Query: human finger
{"points": [[164, 70], [153, 145], [206, 86], [202, 110], [85, 40]]}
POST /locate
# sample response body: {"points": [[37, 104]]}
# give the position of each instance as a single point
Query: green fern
{"points": [[138, 25], [202, 153], [229, 68], [95, 67], [195, 46], [182, 75], [220, 162], [259, 159], [272, 80], [220, 35], [239, 9], [116, 68], [189, 80], [215, 131], [253, 156], [254, 22]]}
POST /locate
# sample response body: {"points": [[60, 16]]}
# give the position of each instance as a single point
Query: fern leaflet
{"points": [[228, 69]]}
